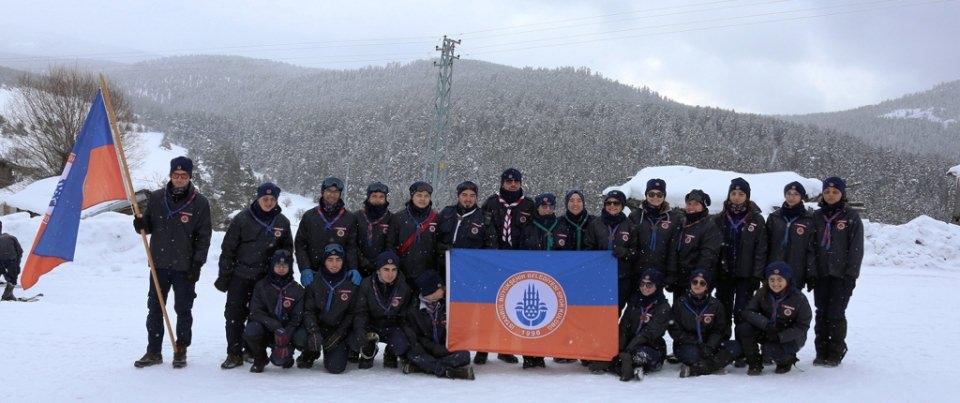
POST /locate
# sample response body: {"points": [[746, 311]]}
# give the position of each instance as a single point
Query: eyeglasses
{"points": [[655, 194], [511, 181], [647, 284], [611, 203], [700, 283], [179, 176]]}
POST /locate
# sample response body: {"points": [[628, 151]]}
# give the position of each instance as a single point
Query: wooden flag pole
{"points": [[128, 185]]}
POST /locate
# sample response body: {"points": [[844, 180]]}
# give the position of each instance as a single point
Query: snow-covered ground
{"points": [[920, 113], [766, 189], [80, 340]]}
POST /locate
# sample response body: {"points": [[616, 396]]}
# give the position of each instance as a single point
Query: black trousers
{"points": [[831, 297], [184, 294], [236, 311]]}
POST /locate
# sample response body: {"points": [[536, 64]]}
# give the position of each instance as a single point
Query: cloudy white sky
{"points": [[765, 56]]}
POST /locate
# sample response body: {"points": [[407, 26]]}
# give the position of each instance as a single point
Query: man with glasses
{"points": [[328, 223], [657, 227], [178, 219]]}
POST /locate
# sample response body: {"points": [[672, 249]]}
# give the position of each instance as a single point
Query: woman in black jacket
{"points": [[792, 238], [644, 322]]}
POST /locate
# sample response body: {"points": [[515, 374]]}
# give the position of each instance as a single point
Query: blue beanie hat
{"points": [[704, 274], [377, 187], [545, 198], [182, 163], [511, 173], [837, 183], [429, 282], [616, 194], [467, 185], [420, 186], [654, 276], [741, 185], [779, 268], [268, 189], [797, 186], [656, 184], [387, 257]]}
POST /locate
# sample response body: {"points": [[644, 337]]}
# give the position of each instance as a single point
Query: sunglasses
{"points": [[647, 284], [655, 194], [179, 176], [700, 283], [611, 203]]}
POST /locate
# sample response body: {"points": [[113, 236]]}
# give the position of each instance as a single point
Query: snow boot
{"points": [[179, 357], [564, 360], [599, 367], [409, 368], [148, 359], [480, 358], [353, 356], [533, 362], [685, 371], [248, 357], [626, 367], [8, 293], [231, 362], [368, 351], [464, 372], [755, 366], [507, 358], [258, 365], [306, 359], [785, 365], [739, 363]]}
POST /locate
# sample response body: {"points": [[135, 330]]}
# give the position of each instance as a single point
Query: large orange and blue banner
{"points": [[90, 177], [547, 304]]}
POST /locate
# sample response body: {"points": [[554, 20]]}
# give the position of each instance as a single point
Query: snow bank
{"points": [[921, 243], [954, 171], [150, 168], [766, 189]]}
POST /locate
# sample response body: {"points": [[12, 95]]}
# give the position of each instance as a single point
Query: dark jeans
{"points": [[394, 337], [831, 297], [10, 270], [236, 311], [438, 365], [751, 339], [734, 294], [334, 357], [184, 294], [692, 354]]}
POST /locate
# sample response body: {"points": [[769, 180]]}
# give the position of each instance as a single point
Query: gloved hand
{"points": [[194, 274], [306, 276], [139, 223], [281, 338], [314, 342], [355, 276], [621, 251], [811, 283], [222, 283]]}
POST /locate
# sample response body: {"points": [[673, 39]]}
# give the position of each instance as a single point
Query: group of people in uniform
{"points": [[376, 276]]}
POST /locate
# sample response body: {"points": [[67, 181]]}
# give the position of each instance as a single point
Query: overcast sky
{"points": [[764, 56]]}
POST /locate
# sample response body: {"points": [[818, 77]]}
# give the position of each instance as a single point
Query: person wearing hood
{"points": [[777, 318], [697, 244], [700, 331], [743, 253], [177, 218], [382, 301], [792, 238], [642, 326], [542, 234], [276, 311], [614, 232], [329, 222], [10, 256], [328, 315], [657, 227], [509, 210], [373, 222], [574, 223], [413, 234], [839, 255], [426, 328], [251, 239]]}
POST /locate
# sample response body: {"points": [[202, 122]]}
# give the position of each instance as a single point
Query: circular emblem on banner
{"points": [[840, 225], [800, 230], [287, 303], [341, 232], [787, 312], [184, 218], [707, 319], [474, 230], [665, 225], [531, 304]]}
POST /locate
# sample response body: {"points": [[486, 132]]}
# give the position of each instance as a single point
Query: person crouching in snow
{"points": [[276, 310], [642, 348], [426, 328], [777, 318], [381, 304], [328, 314], [700, 331]]}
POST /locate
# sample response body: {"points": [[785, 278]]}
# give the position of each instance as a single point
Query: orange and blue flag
{"points": [[91, 176], [547, 304]]}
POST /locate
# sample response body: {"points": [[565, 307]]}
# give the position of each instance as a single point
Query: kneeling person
{"points": [[642, 348], [700, 330], [381, 304], [426, 328], [276, 310], [328, 314], [777, 318]]}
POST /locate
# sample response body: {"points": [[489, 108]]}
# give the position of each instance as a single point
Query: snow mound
{"points": [[919, 113], [954, 171], [921, 243], [766, 189]]}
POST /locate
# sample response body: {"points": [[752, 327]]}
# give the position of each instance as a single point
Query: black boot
{"points": [[507, 358], [306, 359], [353, 356], [258, 364], [8, 293], [755, 366], [464, 372], [148, 359], [231, 362], [626, 366], [389, 359], [533, 362], [179, 357], [838, 345], [248, 357], [821, 342], [369, 351], [564, 360], [480, 358], [785, 365], [599, 367], [409, 368]]}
